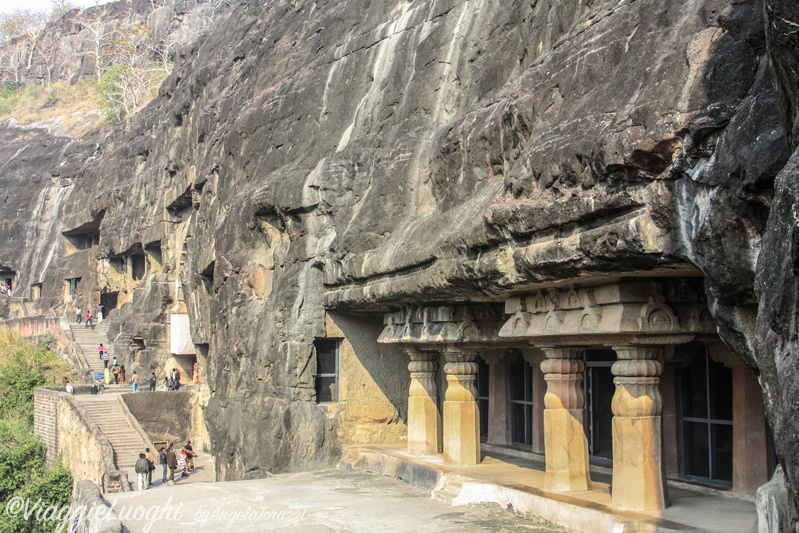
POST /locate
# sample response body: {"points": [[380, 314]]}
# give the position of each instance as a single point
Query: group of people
{"points": [[169, 459], [89, 316], [172, 380], [5, 289]]}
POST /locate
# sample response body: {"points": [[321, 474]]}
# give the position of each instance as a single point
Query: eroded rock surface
{"points": [[356, 156]]}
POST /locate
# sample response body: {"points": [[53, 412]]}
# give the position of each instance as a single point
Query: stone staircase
{"points": [[105, 411], [89, 340]]}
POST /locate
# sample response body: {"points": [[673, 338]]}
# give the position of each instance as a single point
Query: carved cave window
{"points": [[72, 287], [327, 354]]}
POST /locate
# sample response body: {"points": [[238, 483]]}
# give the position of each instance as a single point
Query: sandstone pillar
{"points": [[461, 416], [564, 435], [424, 420], [638, 481], [750, 457]]}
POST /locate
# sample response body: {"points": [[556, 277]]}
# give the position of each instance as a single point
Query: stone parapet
{"points": [[67, 431], [89, 512]]}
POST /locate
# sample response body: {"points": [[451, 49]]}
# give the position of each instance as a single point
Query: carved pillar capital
{"points": [[563, 372], [461, 370], [637, 378], [422, 367]]}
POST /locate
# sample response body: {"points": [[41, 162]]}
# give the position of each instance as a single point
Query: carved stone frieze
{"points": [[670, 308], [442, 324]]}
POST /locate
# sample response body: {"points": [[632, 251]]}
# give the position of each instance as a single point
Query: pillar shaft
{"points": [[424, 419], [638, 481], [564, 436], [461, 416]]}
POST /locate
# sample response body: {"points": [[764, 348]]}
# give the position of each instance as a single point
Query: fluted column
{"points": [[638, 481], [461, 416], [424, 420], [565, 443]]}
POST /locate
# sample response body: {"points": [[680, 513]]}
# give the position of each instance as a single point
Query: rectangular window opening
{"points": [[327, 353]]}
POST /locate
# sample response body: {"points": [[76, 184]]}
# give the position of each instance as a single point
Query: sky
{"points": [[11, 5]]}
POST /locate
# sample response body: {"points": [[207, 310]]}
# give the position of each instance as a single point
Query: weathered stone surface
{"points": [[164, 416], [777, 339], [89, 512], [359, 157]]}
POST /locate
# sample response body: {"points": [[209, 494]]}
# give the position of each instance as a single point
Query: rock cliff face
{"points": [[777, 339], [350, 157]]}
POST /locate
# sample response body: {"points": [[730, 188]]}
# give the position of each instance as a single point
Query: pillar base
{"points": [[462, 433], [637, 464], [566, 451], [424, 427]]}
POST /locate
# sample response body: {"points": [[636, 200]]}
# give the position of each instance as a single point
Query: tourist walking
{"points": [[171, 462], [162, 459], [115, 372], [78, 312], [104, 357], [89, 323], [122, 375], [176, 378], [101, 349], [100, 314], [153, 381], [134, 379], [141, 468]]}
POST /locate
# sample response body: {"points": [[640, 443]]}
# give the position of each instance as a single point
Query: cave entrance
{"points": [[138, 266], [7, 277], [109, 302]]}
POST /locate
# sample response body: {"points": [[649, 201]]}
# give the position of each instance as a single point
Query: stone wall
{"points": [[373, 383], [90, 513], [66, 430], [167, 416]]}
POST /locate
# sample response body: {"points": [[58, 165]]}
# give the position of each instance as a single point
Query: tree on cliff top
{"points": [[21, 22]]}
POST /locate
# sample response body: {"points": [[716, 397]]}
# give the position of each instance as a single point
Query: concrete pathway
{"points": [[331, 500], [519, 481]]}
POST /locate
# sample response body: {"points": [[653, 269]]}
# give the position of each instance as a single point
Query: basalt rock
{"points": [[777, 338], [317, 158]]}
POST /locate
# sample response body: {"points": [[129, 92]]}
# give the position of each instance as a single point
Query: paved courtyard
{"points": [[331, 500]]}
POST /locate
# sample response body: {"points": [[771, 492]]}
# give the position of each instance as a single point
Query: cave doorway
{"points": [[707, 420], [109, 302], [599, 388]]}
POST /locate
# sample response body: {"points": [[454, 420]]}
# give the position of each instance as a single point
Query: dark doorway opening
{"points": [[138, 266], [521, 400], [706, 419], [599, 388], [109, 302], [482, 396]]}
